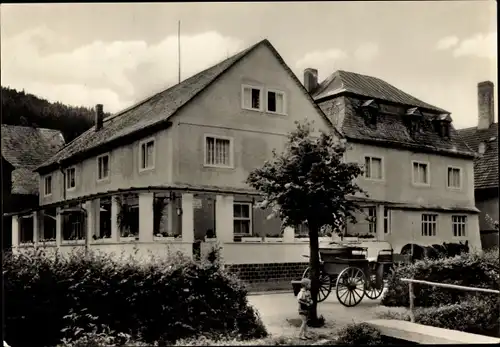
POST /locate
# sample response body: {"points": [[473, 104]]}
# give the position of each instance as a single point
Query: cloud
{"points": [[484, 46], [116, 73], [447, 42], [320, 58], [366, 51], [479, 45]]}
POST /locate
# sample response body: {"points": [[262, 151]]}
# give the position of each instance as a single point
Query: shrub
{"points": [[159, 300], [477, 316], [474, 270], [359, 334]]}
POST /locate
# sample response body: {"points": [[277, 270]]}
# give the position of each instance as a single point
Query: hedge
{"points": [[158, 300], [475, 315], [472, 269]]}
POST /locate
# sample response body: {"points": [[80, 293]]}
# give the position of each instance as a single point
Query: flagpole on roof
{"points": [[179, 47]]}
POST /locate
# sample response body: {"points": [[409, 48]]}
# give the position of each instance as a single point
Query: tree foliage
{"points": [[309, 181], [20, 108]]}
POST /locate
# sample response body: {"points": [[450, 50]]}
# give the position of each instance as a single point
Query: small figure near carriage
{"points": [[352, 272]]}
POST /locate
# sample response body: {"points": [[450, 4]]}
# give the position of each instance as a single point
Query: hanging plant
{"points": [[124, 218], [159, 205]]}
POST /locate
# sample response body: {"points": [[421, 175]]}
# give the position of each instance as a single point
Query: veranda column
{"points": [[36, 227], [58, 227], [380, 222], [146, 215], [115, 231], [224, 225], [187, 218], [15, 231], [90, 221]]}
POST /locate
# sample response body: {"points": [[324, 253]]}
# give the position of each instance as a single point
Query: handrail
{"points": [[410, 282]]}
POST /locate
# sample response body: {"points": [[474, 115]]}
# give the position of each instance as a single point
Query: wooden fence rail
{"points": [[410, 282]]}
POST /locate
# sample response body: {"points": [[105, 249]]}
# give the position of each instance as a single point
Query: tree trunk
{"points": [[314, 266]]}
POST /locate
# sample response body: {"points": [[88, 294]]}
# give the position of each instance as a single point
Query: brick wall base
{"points": [[268, 276]]}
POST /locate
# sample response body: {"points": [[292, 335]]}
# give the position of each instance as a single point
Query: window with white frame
{"points": [[242, 217], [47, 190], [387, 220], [218, 151], [252, 98], [373, 168], [420, 173], [454, 177], [429, 224], [103, 167], [71, 178], [147, 154], [372, 219], [458, 225], [276, 102]]}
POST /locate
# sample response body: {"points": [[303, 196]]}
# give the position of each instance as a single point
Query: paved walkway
{"points": [[277, 309]]}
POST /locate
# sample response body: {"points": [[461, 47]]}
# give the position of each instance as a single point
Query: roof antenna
{"points": [[179, 47]]}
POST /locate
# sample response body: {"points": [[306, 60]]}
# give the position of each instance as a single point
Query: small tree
{"points": [[309, 182]]}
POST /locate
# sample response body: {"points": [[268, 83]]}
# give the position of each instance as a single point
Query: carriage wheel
{"points": [[371, 291], [351, 286], [325, 284]]}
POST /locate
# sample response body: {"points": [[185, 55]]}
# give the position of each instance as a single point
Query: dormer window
{"points": [[414, 117], [442, 125], [370, 111]]}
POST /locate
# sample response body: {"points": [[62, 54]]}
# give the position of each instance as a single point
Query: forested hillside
{"points": [[20, 108]]}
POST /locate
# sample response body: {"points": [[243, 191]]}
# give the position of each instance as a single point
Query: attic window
{"points": [[414, 119], [370, 112], [442, 125]]}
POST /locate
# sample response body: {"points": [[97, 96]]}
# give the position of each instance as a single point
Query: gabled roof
{"points": [[485, 165], [156, 109], [367, 86], [26, 148]]}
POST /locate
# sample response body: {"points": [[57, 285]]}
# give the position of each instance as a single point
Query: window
{"points": [[373, 168], [218, 151], [47, 186], [252, 98], [454, 177], [387, 221], [429, 224], [420, 173], [73, 223], [147, 154], [276, 102], [70, 178], [242, 218], [103, 167], [458, 224], [26, 229], [372, 220]]}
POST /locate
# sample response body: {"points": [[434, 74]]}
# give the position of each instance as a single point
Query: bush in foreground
{"points": [[477, 316], [359, 334], [158, 300], [474, 270]]}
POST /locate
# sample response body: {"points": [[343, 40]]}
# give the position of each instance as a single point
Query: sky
{"points": [[118, 54]]}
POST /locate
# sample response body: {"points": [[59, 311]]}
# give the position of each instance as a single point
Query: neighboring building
{"points": [[483, 139], [418, 172], [26, 148], [7, 169]]}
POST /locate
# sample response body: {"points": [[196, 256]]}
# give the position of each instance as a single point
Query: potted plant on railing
{"points": [[210, 236], [125, 220]]}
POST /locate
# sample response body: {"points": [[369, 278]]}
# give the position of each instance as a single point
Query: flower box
{"points": [[301, 239], [251, 239], [164, 238], [273, 239], [129, 238], [210, 239]]}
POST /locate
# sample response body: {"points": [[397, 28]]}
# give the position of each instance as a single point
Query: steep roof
{"points": [[157, 109], [344, 81], [485, 165], [390, 129], [26, 148]]}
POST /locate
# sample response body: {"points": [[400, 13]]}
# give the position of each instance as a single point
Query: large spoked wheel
{"points": [[371, 289], [325, 284], [351, 286]]}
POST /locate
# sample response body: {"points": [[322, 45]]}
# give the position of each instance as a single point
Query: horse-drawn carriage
{"points": [[352, 272]]}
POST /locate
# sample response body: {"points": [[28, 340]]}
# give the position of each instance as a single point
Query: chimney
{"points": [[486, 104], [310, 79], [99, 115]]}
